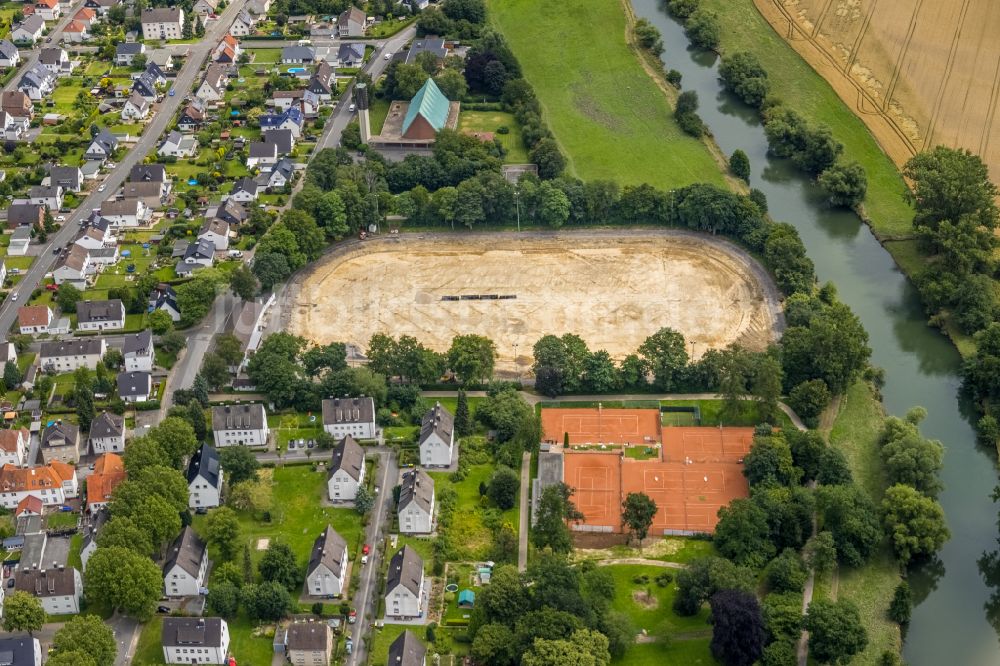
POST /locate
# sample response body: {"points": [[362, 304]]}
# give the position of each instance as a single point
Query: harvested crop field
{"points": [[919, 73], [613, 290]]}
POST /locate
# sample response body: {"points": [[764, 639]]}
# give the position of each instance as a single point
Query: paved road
{"points": [[365, 596], [149, 140], [522, 532], [53, 38]]}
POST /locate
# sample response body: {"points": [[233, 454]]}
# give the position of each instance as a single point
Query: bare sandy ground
{"points": [[919, 73], [613, 290]]}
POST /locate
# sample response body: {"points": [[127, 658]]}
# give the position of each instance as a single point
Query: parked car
{"points": [[162, 609]]}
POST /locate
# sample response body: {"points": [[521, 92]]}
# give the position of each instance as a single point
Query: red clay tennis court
{"points": [[605, 426], [701, 472]]}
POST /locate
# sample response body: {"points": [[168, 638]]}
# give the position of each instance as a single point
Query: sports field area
{"points": [[611, 426], [609, 117], [613, 290]]}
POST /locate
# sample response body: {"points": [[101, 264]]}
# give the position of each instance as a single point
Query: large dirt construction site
{"points": [[920, 73], [612, 289]]}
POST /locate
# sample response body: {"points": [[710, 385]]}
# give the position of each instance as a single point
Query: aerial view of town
{"points": [[499, 332]]}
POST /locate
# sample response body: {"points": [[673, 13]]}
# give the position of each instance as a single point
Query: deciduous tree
{"points": [[638, 511], [835, 631], [88, 634], [23, 612], [738, 633], [222, 531], [124, 580]]}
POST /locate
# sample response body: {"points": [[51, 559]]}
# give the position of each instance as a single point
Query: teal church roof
{"points": [[430, 103]]}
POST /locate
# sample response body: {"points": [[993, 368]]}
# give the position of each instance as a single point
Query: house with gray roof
{"points": [[404, 585], [309, 643], [60, 356], [100, 315], [407, 650], [164, 298], [9, 55], [205, 478], [351, 23], [326, 575], [125, 52], [137, 348], [284, 139], [186, 565], [61, 441], [240, 425], [297, 55], [37, 82], [350, 54], [437, 437], [435, 45], [21, 650], [107, 433], [244, 190], [70, 178], [416, 503], [135, 386], [349, 416], [102, 146], [346, 472], [195, 640], [29, 30]]}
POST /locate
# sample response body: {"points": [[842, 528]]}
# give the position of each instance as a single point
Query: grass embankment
{"points": [[609, 117], [802, 89], [855, 432]]}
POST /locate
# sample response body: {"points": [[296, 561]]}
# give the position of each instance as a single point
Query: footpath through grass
{"points": [[855, 432], [607, 114], [802, 89]]}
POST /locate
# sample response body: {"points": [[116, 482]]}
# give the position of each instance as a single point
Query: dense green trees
{"points": [[844, 184], [914, 523], [686, 114], [638, 511], [89, 635], [648, 36], [23, 612], [739, 165], [222, 532], [124, 580], [471, 357], [738, 633], [554, 508], [742, 73], [835, 631], [503, 488]]}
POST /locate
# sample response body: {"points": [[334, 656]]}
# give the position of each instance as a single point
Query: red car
{"points": [[365, 550]]}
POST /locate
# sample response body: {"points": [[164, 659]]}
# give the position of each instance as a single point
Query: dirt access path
{"points": [[614, 288]]}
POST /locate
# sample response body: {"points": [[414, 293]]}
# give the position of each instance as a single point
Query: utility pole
{"points": [[517, 205]]}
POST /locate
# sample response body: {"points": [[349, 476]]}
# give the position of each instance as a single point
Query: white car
{"points": [[351, 108], [13, 297], [60, 218], [101, 188], [387, 56]]}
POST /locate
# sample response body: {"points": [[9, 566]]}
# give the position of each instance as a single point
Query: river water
{"points": [[949, 624]]}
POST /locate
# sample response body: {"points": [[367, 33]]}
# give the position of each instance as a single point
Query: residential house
{"points": [[437, 437], [162, 23], [258, 7], [326, 574], [126, 52], [61, 356], [86, 16], [349, 416], [3, 279], [213, 86], [144, 85], [150, 173], [13, 128], [244, 24], [185, 570], [178, 145], [100, 315], [290, 119], [298, 55], [61, 443], [102, 7], [9, 55], [70, 178], [90, 533], [284, 139], [107, 433], [48, 9], [155, 74], [21, 650], [135, 386], [407, 650], [404, 585], [279, 176], [53, 484], [164, 298], [37, 82], [151, 194], [29, 30], [73, 267], [8, 352], [76, 32], [228, 50], [351, 23], [137, 348], [136, 108], [25, 214], [240, 425], [322, 82], [205, 478], [282, 100], [125, 212], [29, 506], [96, 236], [190, 640], [197, 254], [102, 146], [309, 643], [192, 117], [232, 212], [14, 444], [34, 319], [109, 472], [435, 45], [351, 54], [59, 590], [56, 60], [17, 104], [162, 58], [216, 232], [262, 155], [50, 196], [347, 470], [205, 7], [416, 503], [244, 190]]}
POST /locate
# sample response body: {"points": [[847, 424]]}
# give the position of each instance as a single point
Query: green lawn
{"points": [[388, 28], [802, 89], [247, 648], [383, 638], [149, 651], [467, 521], [608, 115], [712, 413], [61, 520], [855, 432], [265, 56], [489, 121], [297, 516], [688, 653], [377, 112]]}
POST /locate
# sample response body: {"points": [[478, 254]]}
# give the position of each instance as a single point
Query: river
{"points": [[949, 624]]}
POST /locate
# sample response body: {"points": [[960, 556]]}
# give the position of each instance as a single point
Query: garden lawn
{"points": [[297, 515], [246, 648], [855, 432], [802, 89], [692, 652], [655, 615], [467, 520], [712, 413], [265, 56], [489, 121], [377, 112], [608, 115], [383, 638]]}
